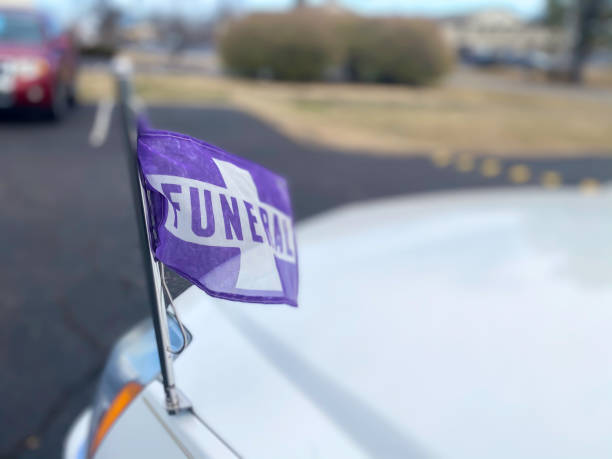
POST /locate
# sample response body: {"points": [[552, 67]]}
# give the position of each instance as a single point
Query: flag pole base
{"points": [[176, 401]]}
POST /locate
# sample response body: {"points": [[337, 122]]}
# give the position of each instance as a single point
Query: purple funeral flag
{"points": [[222, 222]]}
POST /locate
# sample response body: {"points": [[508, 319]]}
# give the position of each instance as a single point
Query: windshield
{"points": [[19, 27]]}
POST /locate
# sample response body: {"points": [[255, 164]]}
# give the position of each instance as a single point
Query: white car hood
{"points": [[453, 325]]}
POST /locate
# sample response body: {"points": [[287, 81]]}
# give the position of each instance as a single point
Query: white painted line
{"points": [[101, 124], [137, 104]]}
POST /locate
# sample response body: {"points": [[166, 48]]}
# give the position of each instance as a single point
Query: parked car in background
{"points": [[38, 63]]}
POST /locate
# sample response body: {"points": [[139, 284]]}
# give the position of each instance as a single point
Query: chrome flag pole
{"points": [[175, 402], [220, 221]]}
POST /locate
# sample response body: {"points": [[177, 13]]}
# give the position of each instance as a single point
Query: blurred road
{"points": [[70, 278]]}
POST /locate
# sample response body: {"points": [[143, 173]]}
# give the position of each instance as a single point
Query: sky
{"points": [[67, 9]]}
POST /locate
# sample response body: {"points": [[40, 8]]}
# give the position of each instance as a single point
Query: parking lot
{"points": [[70, 277]]}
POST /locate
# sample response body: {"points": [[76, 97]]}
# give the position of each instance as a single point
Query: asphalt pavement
{"points": [[71, 281]]}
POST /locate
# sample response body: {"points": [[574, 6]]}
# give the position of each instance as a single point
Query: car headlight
{"points": [[133, 364], [29, 68]]}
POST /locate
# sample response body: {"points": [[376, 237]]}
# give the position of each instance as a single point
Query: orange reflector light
{"points": [[119, 404]]}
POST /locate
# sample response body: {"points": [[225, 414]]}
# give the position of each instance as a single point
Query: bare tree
{"points": [[108, 28], [556, 13], [589, 22], [589, 17]]}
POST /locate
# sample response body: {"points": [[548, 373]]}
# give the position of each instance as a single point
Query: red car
{"points": [[37, 63]]}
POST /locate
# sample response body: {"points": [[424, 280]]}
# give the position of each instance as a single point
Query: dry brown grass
{"points": [[599, 77], [394, 120], [93, 85]]}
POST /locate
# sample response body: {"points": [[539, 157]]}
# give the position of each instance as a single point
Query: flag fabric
{"points": [[222, 222]]}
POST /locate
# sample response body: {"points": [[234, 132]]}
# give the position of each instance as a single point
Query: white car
{"points": [[463, 325]]}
